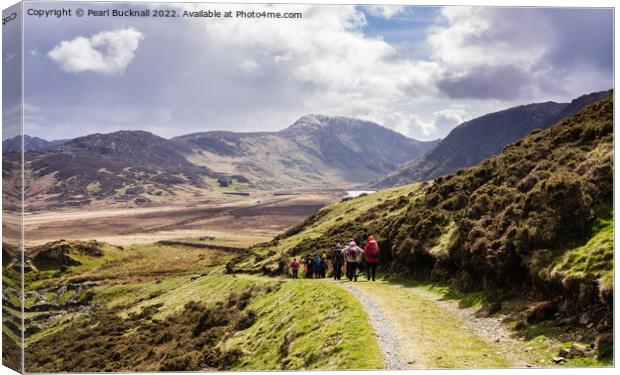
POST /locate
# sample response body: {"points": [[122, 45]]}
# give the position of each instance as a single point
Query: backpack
{"points": [[373, 249], [352, 252]]}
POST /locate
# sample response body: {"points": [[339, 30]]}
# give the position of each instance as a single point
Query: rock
{"points": [[600, 326], [570, 321], [558, 360], [579, 350], [584, 318], [495, 307], [566, 353], [541, 311], [520, 326]]}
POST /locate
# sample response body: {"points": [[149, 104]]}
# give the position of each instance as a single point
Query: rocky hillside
{"points": [[30, 144], [360, 149], [535, 220], [315, 149], [126, 167], [473, 141]]}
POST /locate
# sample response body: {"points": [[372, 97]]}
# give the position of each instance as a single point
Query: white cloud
{"points": [[383, 11], [440, 123], [108, 52], [325, 61]]}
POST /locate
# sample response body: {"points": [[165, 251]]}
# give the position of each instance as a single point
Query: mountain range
{"points": [[474, 141], [137, 167], [316, 151], [30, 144]]}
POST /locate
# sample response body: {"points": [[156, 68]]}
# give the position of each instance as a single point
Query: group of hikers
{"points": [[349, 257]]}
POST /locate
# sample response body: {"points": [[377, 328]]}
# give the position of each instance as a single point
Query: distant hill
{"points": [[314, 150], [30, 144], [485, 136], [133, 167], [136, 147], [535, 221]]}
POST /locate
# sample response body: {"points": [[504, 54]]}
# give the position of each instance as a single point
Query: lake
{"points": [[357, 193]]}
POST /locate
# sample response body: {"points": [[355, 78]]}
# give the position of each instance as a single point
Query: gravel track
{"points": [[383, 330]]}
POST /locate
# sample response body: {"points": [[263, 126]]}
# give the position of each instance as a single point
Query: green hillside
{"points": [[534, 220], [94, 307]]}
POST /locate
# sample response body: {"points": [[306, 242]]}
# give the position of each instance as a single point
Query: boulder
{"points": [[520, 326], [541, 311], [558, 360], [566, 353], [579, 350]]}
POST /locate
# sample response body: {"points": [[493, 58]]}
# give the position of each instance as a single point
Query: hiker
{"points": [[295, 267], [337, 261], [309, 266], [353, 255], [324, 266], [317, 267], [371, 252]]}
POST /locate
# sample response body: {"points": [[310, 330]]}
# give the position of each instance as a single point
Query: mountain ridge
{"points": [[330, 148], [480, 138], [136, 166], [30, 143]]}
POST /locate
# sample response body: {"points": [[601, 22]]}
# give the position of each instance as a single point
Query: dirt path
{"points": [[383, 330], [418, 331]]}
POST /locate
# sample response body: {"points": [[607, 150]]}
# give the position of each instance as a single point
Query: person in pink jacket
{"points": [[353, 255]]}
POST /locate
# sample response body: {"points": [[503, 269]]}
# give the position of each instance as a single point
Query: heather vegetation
{"points": [[534, 221], [517, 212]]}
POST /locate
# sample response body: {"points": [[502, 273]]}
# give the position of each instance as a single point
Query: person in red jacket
{"points": [[371, 251]]}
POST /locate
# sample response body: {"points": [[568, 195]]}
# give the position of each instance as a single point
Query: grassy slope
{"points": [[330, 327], [329, 218], [326, 328], [593, 259]]}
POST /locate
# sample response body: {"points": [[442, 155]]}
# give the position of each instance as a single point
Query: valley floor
{"points": [[258, 216]]}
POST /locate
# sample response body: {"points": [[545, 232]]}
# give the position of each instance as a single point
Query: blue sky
{"points": [[418, 70]]}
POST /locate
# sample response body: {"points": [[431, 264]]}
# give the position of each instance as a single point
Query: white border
{"points": [[509, 3]]}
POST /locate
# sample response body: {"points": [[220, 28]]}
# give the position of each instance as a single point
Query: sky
{"points": [[420, 71]]}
